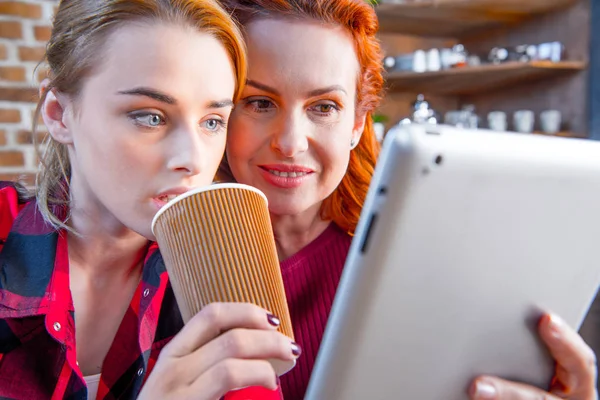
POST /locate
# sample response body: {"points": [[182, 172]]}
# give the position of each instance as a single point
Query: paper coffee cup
{"points": [[218, 246]]}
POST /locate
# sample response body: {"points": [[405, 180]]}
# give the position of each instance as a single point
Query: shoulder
{"points": [[12, 193], [11, 203]]}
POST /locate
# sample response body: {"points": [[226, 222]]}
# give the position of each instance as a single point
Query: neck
{"points": [[102, 245], [97, 254], [294, 232]]}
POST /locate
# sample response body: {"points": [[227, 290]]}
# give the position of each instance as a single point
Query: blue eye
{"points": [[151, 120], [214, 125]]}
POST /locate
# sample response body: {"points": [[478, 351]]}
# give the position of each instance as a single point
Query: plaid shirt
{"points": [[37, 329]]}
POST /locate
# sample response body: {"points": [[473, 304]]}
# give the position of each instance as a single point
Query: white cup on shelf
{"points": [[550, 121], [419, 61], [434, 61], [497, 121], [523, 121]]}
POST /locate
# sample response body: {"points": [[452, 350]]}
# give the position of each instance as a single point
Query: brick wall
{"points": [[24, 30]]}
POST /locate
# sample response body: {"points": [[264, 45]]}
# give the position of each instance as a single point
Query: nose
{"points": [[187, 152], [290, 137]]}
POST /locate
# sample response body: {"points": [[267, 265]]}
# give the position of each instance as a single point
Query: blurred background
{"points": [[24, 30], [517, 65]]}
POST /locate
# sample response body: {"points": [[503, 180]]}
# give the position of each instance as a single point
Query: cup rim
{"points": [[214, 186]]}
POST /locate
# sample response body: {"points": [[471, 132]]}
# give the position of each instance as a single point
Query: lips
{"points": [[287, 168], [167, 195], [286, 176]]}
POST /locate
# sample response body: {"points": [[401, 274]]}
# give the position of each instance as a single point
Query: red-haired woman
{"points": [[302, 133]]}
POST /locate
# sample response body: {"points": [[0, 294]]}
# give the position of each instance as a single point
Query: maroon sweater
{"points": [[311, 278]]}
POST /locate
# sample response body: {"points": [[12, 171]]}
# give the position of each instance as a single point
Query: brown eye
{"points": [[325, 109], [262, 103]]}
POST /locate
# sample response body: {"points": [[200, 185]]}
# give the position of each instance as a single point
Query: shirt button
{"points": [[140, 371], [146, 292], [56, 326]]}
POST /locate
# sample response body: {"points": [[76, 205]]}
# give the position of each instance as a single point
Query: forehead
{"points": [[178, 60], [301, 52]]}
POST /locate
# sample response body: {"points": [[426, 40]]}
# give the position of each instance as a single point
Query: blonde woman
{"points": [[136, 105]]}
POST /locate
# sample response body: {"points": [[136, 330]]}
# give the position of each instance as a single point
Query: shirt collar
{"points": [[34, 264]]}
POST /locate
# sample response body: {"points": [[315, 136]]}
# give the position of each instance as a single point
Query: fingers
{"points": [[490, 388], [232, 374], [224, 347], [241, 344], [215, 319], [576, 362], [575, 376]]}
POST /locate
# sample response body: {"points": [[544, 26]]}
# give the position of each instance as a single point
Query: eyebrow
{"points": [[165, 98], [329, 89], [262, 86], [312, 93], [221, 104], [152, 93]]}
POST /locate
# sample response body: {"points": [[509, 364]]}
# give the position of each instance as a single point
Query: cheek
{"points": [[240, 141], [335, 152], [105, 139]]}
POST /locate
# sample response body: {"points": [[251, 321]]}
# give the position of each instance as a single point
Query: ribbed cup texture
{"points": [[218, 246]]}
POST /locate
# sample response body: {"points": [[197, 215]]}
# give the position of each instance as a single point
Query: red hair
{"points": [[344, 205]]}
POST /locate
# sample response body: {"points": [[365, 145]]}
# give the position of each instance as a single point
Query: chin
{"points": [[146, 232], [148, 235], [286, 208], [142, 227]]}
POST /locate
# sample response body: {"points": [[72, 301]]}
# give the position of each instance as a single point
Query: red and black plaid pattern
{"points": [[37, 329]]}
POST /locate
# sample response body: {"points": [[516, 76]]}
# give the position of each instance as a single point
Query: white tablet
{"points": [[465, 238]]}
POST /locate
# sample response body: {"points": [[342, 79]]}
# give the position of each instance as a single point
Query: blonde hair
{"points": [[78, 36]]}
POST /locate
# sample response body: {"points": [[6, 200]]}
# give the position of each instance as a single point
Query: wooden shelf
{"points": [[473, 80], [455, 18], [561, 134]]}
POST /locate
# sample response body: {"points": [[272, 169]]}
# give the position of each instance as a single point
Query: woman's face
{"points": [[290, 134], [149, 124]]}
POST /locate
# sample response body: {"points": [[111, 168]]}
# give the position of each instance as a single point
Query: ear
{"points": [[359, 128], [54, 114]]}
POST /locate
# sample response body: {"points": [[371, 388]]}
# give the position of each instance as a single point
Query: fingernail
{"points": [[273, 320], [296, 350], [555, 326], [484, 390]]}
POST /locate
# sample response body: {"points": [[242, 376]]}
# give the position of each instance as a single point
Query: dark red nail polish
{"points": [[296, 350], [273, 320]]}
